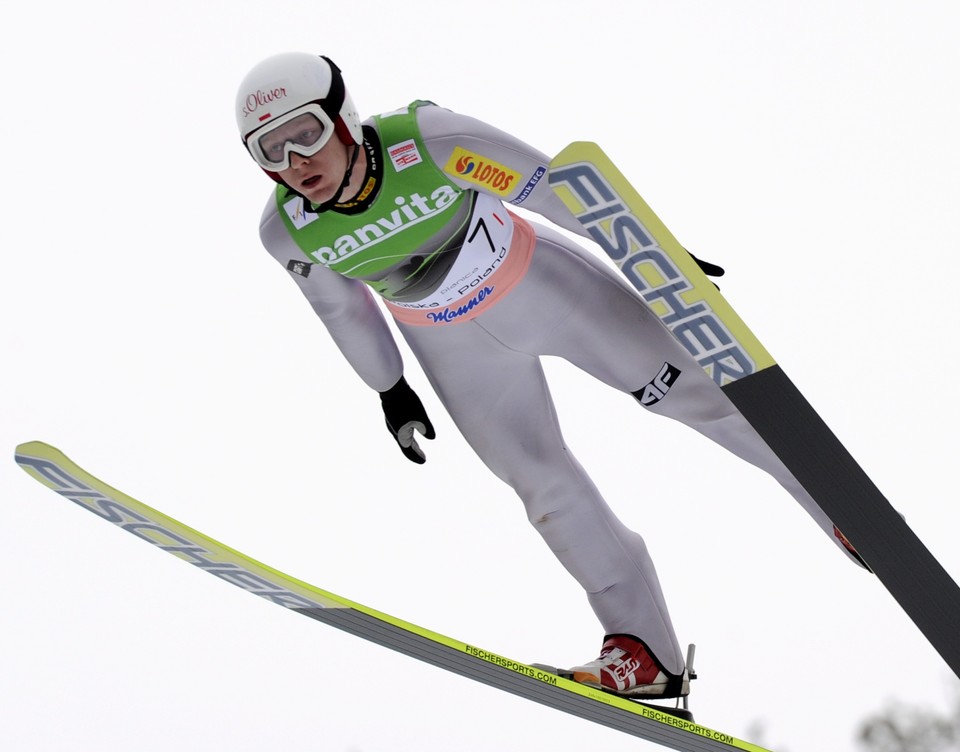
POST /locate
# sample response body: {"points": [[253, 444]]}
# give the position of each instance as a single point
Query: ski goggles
{"points": [[305, 130]]}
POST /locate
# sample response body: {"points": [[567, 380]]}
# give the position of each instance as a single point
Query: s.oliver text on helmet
{"points": [[259, 98]]}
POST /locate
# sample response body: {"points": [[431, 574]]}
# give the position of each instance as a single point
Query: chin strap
{"points": [[333, 201], [343, 184]]}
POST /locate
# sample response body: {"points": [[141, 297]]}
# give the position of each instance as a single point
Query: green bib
{"points": [[404, 242]]}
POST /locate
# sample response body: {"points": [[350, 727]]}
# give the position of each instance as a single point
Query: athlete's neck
{"points": [[364, 180], [358, 175]]}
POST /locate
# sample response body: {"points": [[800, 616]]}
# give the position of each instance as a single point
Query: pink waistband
{"points": [[484, 297]]}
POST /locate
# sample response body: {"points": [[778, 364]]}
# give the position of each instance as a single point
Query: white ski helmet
{"points": [[294, 86]]}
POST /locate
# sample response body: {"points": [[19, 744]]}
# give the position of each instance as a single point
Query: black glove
{"points": [[405, 413], [711, 270]]}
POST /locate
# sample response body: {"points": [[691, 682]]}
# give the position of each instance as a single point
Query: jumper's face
{"points": [[306, 129], [301, 149], [318, 177], [306, 133]]}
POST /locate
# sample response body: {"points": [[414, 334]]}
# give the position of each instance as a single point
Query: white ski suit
{"points": [[479, 339]]}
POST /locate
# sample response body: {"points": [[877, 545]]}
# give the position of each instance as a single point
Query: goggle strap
{"points": [[333, 102]]}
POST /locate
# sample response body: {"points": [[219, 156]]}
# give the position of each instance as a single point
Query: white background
{"points": [[810, 148]]}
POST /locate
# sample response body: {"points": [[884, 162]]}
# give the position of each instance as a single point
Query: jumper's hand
{"points": [[711, 270], [405, 414]]}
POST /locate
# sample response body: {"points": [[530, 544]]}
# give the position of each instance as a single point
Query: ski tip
{"points": [[31, 446], [578, 149]]}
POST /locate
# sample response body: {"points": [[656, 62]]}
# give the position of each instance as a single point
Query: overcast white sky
{"points": [[811, 148]]}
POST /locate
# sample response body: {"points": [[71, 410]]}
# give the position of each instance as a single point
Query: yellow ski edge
{"points": [[52, 468], [610, 223]]}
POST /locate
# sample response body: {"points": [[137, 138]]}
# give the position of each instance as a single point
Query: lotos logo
{"points": [[481, 171], [259, 98], [465, 165]]}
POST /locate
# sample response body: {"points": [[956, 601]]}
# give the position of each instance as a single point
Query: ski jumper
{"points": [[479, 295]]}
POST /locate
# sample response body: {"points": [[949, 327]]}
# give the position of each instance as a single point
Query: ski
{"points": [[676, 289], [53, 469]]}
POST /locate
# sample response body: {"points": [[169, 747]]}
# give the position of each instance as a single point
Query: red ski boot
{"points": [[626, 667]]}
